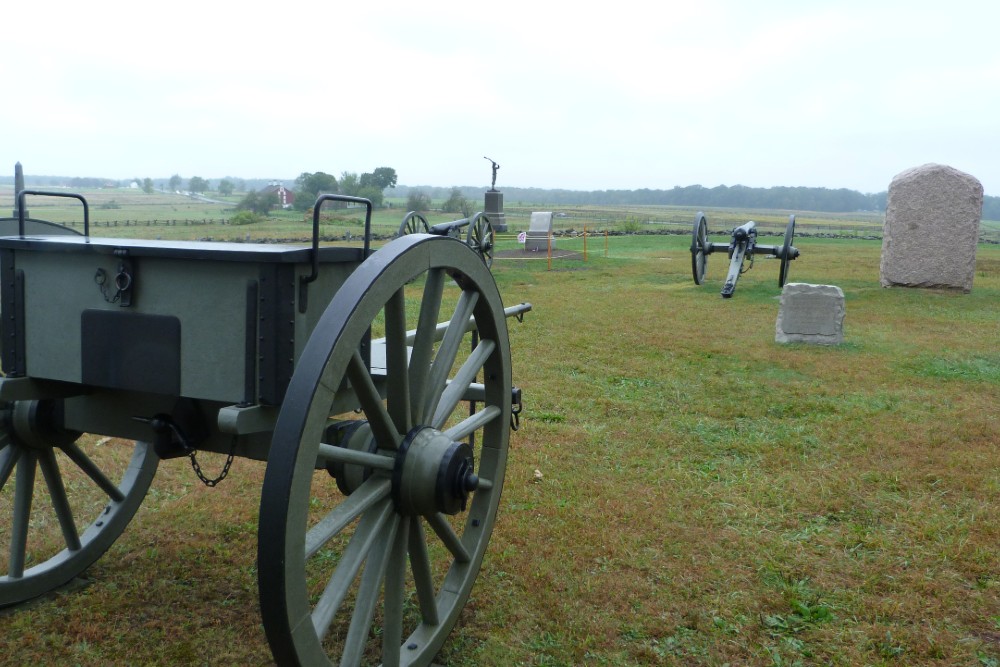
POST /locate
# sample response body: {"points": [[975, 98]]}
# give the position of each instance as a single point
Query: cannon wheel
{"points": [[413, 223], [58, 529], [377, 566], [480, 237], [699, 248], [786, 251]]}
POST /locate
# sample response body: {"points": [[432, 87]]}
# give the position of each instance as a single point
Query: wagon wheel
{"points": [[788, 251], [699, 248], [480, 237], [413, 223], [58, 529], [417, 483]]}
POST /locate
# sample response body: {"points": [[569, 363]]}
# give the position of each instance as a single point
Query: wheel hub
{"points": [[37, 424], [355, 435], [433, 474]]}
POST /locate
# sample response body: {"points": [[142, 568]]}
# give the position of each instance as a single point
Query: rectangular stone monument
{"points": [[539, 231], [931, 229], [810, 314], [494, 210]]}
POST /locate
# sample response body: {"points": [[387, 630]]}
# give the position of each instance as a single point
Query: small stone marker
{"points": [[810, 314], [931, 229], [539, 231]]}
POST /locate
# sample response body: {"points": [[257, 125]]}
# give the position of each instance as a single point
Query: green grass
{"points": [[707, 496]]}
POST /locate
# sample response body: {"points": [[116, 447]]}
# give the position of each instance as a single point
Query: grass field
{"points": [[682, 491]]}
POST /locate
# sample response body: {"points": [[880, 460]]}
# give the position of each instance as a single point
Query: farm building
{"points": [[285, 196]]}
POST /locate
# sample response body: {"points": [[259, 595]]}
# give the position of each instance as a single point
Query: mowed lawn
{"points": [[682, 490]]}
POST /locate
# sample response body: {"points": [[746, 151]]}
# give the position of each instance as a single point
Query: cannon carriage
{"points": [[479, 236], [330, 364], [741, 247]]}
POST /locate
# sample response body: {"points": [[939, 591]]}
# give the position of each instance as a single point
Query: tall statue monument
{"points": [[494, 201]]}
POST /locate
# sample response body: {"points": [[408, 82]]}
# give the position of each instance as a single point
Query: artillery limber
{"points": [[380, 490], [479, 235], [742, 245]]}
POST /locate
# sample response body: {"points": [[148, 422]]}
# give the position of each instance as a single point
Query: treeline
{"points": [[828, 200]]}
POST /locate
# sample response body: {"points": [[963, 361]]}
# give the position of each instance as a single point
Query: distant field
{"points": [[124, 212]]}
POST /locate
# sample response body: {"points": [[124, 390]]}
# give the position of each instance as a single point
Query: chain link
{"points": [[225, 469]]}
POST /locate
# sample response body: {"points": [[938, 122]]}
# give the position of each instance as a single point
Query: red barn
{"points": [[285, 196]]}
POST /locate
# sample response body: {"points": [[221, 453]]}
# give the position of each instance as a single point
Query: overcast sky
{"points": [[625, 95]]}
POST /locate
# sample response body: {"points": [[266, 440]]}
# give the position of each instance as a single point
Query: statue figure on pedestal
{"points": [[493, 185]]}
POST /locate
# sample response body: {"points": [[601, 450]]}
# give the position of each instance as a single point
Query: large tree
{"points": [[225, 187], [175, 182], [309, 186], [197, 184], [381, 178], [361, 186], [258, 202]]}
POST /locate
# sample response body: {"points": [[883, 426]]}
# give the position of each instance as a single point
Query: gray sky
{"points": [[637, 95]]}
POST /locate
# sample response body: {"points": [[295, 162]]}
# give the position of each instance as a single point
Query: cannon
{"points": [[381, 489], [742, 244], [479, 236]]}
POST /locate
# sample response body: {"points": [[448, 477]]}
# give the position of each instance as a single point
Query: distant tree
{"points": [[147, 186], [240, 184], [372, 194], [225, 187], [309, 186], [175, 182], [456, 202], [258, 202], [197, 184], [418, 201], [350, 183], [381, 178]]}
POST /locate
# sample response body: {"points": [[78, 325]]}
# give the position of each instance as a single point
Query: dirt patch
{"points": [[520, 253]]}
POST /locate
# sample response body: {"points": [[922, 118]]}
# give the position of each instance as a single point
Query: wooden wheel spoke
{"points": [[358, 549], [60, 501], [24, 490], [473, 423], [465, 376], [423, 581], [84, 463], [447, 352], [368, 593], [448, 536], [8, 459], [365, 497], [395, 590], [381, 423], [396, 362], [332, 453], [423, 341]]}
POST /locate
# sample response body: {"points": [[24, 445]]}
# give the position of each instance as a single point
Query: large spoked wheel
{"points": [[381, 492], [699, 248], [413, 223], [788, 251], [480, 237], [54, 525]]}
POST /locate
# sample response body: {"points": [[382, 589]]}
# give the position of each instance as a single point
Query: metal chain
{"points": [[225, 469]]}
